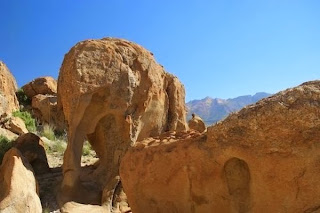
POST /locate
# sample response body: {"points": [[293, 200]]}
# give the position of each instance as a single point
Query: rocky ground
{"points": [[49, 182]]}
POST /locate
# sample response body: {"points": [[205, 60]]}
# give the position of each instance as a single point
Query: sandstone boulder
{"points": [[264, 158], [32, 148], [196, 123], [8, 134], [8, 88], [45, 109], [18, 185], [44, 85], [113, 93], [16, 125]]}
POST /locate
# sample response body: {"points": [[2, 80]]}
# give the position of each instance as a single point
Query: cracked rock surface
{"points": [[113, 93], [264, 158]]}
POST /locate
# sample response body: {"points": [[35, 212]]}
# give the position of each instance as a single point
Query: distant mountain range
{"points": [[212, 110]]}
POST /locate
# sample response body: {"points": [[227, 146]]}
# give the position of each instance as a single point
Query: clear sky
{"points": [[217, 48]]}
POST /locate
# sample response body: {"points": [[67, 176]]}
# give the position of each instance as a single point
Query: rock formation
{"points": [[212, 110], [113, 93], [264, 158], [8, 134], [43, 95], [44, 108], [44, 85], [196, 123], [8, 88], [18, 186], [32, 148], [16, 125]]}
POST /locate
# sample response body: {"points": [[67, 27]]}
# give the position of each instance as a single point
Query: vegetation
{"points": [[48, 132], [87, 149], [23, 98], [5, 145], [46, 210], [58, 147], [27, 118]]}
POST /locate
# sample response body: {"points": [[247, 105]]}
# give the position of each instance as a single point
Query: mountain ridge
{"points": [[212, 110]]}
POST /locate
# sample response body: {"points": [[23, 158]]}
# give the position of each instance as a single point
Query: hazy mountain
{"points": [[212, 110]]}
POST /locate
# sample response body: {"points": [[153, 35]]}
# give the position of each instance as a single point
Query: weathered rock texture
{"points": [[264, 158], [8, 88], [196, 123], [44, 85], [32, 148], [18, 187], [45, 109], [113, 93], [43, 95], [16, 125]]}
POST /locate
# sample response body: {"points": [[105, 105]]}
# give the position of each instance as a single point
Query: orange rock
{"points": [[197, 123], [45, 109], [17, 126], [264, 158], [8, 87], [113, 93], [44, 85], [18, 185], [32, 148]]}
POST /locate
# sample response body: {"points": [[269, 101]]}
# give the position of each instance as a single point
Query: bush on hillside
{"points": [[27, 118], [23, 98]]}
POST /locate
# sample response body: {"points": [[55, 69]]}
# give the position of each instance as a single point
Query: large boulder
{"points": [[18, 185], [43, 85], [32, 148], [264, 158], [45, 109], [113, 93], [8, 88]]}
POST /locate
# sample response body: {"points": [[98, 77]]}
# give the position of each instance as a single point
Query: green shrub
{"points": [[48, 132], [27, 118], [5, 145], [23, 98], [46, 210], [57, 147], [87, 149]]}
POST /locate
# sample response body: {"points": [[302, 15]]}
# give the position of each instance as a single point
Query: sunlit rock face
{"points": [[264, 158], [43, 85], [18, 185], [8, 88], [113, 93]]}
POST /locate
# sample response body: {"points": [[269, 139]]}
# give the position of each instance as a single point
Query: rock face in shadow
{"points": [[264, 158], [18, 187], [113, 93], [8, 88], [32, 148]]}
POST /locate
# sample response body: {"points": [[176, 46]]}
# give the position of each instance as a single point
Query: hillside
{"points": [[214, 109]]}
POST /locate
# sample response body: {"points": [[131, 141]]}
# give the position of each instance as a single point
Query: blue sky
{"points": [[217, 48]]}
